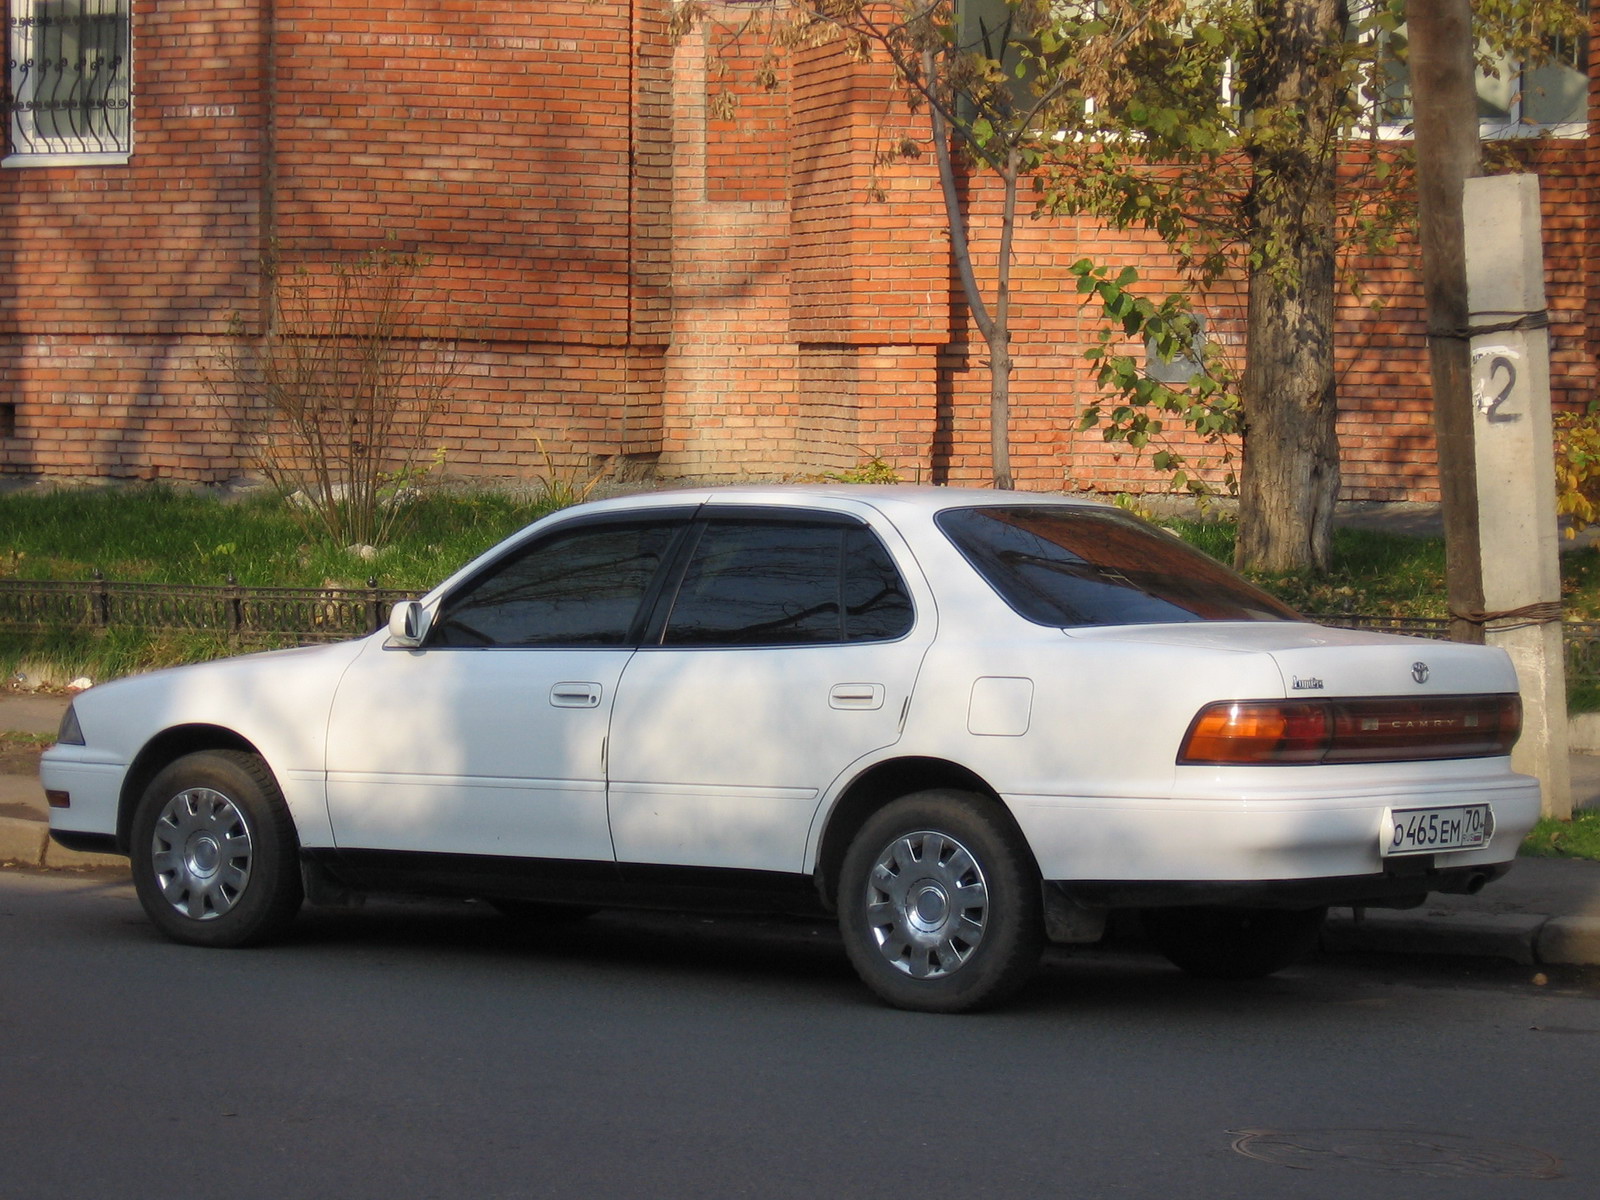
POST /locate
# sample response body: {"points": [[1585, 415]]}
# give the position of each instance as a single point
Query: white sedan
{"points": [[966, 722]]}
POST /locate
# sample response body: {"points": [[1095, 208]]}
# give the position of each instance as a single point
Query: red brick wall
{"points": [[116, 277], [634, 274], [523, 149]]}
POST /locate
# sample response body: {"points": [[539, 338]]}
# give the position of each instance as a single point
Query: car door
{"points": [[788, 653], [490, 738]]}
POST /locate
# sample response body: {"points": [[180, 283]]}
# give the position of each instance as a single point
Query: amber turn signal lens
{"points": [[1257, 732], [1356, 730]]}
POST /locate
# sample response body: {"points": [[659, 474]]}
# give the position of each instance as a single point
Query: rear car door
{"points": [[788, 652]]}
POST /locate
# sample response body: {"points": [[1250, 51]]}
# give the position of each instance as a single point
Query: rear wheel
{"points": [[1233, 943], [939, 903], [214, 853]]}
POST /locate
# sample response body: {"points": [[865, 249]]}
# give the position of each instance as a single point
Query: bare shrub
{"points": [[344, 393]]}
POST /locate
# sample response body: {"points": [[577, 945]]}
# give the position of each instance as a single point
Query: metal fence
{"points": [[247, 617], [243, 616]]}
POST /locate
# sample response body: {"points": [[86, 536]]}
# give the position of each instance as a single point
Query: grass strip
{"points": [[1577, 838]]}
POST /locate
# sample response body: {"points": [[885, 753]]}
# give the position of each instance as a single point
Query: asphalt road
{"points": [[436, 1050]]}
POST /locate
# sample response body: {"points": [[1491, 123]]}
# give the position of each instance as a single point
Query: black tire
{"points": [[1233, 943], [940, 905], [214, 853]]}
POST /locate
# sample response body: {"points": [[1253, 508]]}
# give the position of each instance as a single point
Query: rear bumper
{"points": [[1234, 835]]}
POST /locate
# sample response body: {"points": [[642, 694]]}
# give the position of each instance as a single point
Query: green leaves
{"points": [[1207, 405]]}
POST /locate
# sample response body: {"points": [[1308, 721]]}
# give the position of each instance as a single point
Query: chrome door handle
{"points": [[856, 695], [576, 695]]}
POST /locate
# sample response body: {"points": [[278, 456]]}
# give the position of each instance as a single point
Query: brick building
{"points": [[638, 279]]}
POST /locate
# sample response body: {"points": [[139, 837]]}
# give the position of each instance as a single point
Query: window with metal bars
{"points": [[68, 81]]}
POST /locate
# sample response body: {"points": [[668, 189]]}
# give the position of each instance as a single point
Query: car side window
{"points": [[578, 588], [787, 583], [876, 604]]}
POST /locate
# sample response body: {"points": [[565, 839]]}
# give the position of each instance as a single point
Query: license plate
{"points": [[1433, 830]]}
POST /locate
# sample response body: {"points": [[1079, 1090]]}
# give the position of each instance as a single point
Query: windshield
{"points": [[1097, 566]]}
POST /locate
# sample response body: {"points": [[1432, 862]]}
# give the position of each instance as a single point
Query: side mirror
{"points": [[408, 624]]}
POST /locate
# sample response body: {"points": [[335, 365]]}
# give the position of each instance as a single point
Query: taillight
{"points": [[1244, 731], [1388, 729]]}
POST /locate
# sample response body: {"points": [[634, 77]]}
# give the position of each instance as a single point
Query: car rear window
{"points": [[1091, 566]]}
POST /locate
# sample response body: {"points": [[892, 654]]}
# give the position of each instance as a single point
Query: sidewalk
{"points": [[1547, 911]]}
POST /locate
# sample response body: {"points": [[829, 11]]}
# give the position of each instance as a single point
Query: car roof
{"points": [[896, 502], [885, 496]]}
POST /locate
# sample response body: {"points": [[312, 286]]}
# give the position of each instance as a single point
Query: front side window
{"points": [[783, 583], [1090, 566], [581, 587], [68, 78]]}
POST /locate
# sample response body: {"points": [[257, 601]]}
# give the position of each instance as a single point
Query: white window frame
{"points": [[1510, 75], [27, 144]]}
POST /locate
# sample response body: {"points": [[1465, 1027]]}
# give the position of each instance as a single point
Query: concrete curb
{"points": [[28, 844], [1512, 936], [1571, 941], [1532, 939]]}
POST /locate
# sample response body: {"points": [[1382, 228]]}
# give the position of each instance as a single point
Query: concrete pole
{"points": [[1518, 537]]}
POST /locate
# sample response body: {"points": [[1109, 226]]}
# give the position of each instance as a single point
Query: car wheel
{"points": [[1233, 943], [214, 853], [939, 903]]}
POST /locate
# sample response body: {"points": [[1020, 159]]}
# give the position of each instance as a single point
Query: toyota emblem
{"points": [[1419, 672]]}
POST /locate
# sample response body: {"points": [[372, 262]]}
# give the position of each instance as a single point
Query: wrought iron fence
{"points": [[1432, 627], [243, 616], [300, 616]]}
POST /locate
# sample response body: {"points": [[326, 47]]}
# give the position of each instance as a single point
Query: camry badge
{"points": [[1419, 672]]}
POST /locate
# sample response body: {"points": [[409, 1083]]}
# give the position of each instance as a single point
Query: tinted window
{"points": [[765, 583], [876, 607], [1061, 566], [581, 588]]}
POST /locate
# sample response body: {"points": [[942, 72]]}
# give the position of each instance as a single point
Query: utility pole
{"points": [[1445, 112], [1496, 474]]}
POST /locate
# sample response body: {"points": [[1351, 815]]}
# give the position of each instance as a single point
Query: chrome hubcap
{"points": [[927, 904], [201, 853]]}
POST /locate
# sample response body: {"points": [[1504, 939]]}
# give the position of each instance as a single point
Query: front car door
{"points": [[490, 738]]}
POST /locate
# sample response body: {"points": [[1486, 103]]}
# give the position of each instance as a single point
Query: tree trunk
{"points": [[999, 333], [1289, 480], [994, 326], [1449, 153]]}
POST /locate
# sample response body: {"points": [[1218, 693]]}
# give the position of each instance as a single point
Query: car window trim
{"points": [[684, 520], [711, 514]]}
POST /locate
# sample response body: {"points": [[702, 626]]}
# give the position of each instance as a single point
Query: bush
{"points": [[345, 392], [1577, 451]]}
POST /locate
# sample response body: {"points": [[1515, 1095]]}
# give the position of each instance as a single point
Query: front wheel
{"points": [[940, 905], [214, 853], [1233, 943]]}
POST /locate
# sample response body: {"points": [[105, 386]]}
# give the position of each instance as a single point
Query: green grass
{"points": [[163, 535], [1577, 838], [18, 737], [1375, 574]]}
